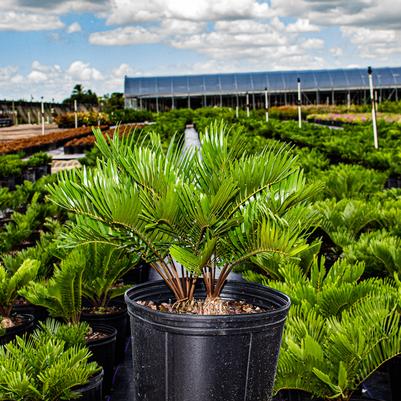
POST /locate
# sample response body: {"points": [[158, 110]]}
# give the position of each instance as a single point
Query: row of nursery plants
{"points": [[14, 169], [92, 118], [45, 142], [84, 119], [76, 354], [352, 118], [282, 215], [80, 145]]}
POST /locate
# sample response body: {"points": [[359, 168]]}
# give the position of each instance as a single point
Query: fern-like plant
{"points": [[343, 221], [205, 210], [352, 181], [103, 265], [43, 368], [11, 283], [61, 295], [339, 331]]}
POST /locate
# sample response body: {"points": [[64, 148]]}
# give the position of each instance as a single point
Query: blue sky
{"points": [[50, 45]]}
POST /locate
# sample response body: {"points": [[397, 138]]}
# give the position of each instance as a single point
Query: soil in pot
{"points": [[102, 344], [21, 324], [116, 316], [92, 391], [185, 357]]}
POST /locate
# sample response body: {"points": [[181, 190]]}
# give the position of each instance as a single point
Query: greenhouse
{"points": [[340, 86]]}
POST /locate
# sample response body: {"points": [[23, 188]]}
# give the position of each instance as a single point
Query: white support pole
{"points": [[348, 100], [266, 106], [43, 116], [299, 103], [247, 104], [76, 113], [372, 97], [237, 107], [157, 105]]}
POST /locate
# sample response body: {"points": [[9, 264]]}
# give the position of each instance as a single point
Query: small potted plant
{"points": [[40, 163], [62, 296], [44, 368], [103, 266], [15, 324], [194, 217]]}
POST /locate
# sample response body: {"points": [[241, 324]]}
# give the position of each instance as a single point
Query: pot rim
{"points": [[207, 323]]}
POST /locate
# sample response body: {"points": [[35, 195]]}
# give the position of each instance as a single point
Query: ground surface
{"points": [[26, 131]]}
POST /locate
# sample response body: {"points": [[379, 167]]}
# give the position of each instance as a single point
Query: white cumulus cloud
{"points": [[81, 71], [21, 21], [129, 12], [74, 27], [124, 36]]}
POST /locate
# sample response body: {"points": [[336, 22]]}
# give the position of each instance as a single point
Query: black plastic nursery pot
{"points": [[182, 357], [92, 391], [103, 351], [118, 320], [39, 312], [394, 372], [27, 326]]}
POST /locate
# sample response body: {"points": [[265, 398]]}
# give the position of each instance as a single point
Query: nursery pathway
{"points": [[191, 137]]}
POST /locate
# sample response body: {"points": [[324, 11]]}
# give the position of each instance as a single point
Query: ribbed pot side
{"points": [[179, 357]]}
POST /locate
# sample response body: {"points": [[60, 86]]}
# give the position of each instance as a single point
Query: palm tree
{"points": [[190, 214], [78, 90]]}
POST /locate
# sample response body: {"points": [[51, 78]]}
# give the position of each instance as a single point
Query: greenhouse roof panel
{"points": [[274, 81]]}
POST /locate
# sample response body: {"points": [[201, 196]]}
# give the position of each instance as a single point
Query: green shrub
{"points": [[130, 116], [43, 368], [344, 221], [11, 284], [352, 181], [339, 329], [38, 159]]}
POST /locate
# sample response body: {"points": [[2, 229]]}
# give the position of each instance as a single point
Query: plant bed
{"points": [[23, 324], [210, 358], [44, 142], [86, 143]]}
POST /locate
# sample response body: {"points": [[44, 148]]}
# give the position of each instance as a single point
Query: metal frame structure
{"points": [[332, 86]]}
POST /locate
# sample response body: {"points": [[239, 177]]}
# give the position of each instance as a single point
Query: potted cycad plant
{"points": [[339, 331], [103, 266], [61, 295], [194, 215], [15, 324], [44, 368]]}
